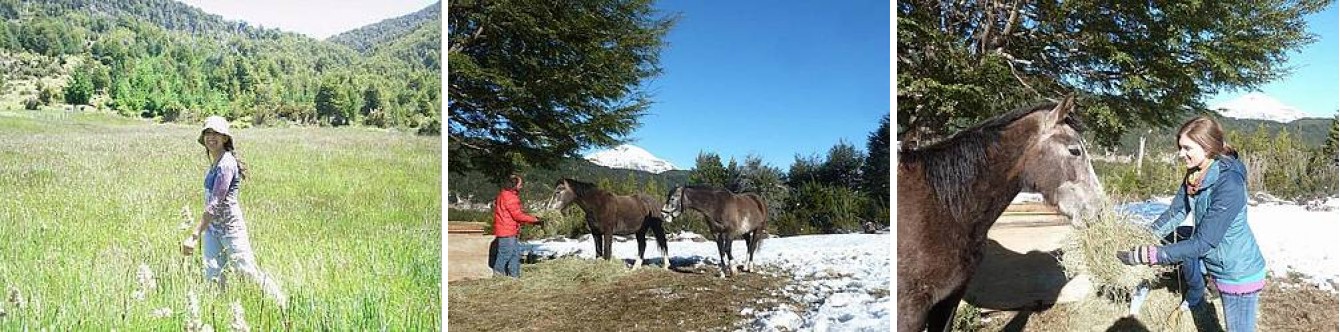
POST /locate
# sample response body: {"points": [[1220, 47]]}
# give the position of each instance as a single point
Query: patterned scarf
{"points": [[1193, 180]]}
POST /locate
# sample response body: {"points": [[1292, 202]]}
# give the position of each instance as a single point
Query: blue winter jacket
{"points": [[1222, 238]]}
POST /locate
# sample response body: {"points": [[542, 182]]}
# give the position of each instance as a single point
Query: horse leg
{"points": [[641, 247], [595, 238], [722, 239], [730, 258], [753, 241], [941, 317], [660, 244], [609, 244]]}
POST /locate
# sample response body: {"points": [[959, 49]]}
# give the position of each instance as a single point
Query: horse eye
{"points": [[1075, 151]]}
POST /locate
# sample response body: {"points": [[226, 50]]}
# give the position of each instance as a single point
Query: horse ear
{"points": [[1062, 110]]}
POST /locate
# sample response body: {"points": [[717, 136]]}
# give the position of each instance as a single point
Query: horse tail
{"points": [[762, 208]]}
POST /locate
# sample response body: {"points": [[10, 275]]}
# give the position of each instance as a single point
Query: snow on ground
{"points": [[841, 279], [1291, 237]]}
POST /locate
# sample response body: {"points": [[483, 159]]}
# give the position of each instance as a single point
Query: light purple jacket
{"points": [[221, 184]]}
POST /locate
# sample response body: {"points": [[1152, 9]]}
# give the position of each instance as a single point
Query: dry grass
{"points": [[595, 295], [1092, 250], [1286, 305]]}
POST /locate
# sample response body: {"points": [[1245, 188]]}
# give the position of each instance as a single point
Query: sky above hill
{"points": [[315, 18]]}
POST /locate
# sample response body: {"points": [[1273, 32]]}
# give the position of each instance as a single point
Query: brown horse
{"points": [[950, 193], [728, 215], [608, 215]]}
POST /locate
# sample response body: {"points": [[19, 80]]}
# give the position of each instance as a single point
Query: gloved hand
{"points": [[1141, 255]]}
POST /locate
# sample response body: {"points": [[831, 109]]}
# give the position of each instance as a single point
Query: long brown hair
{"points": [[241, 165], [1208, 134]]}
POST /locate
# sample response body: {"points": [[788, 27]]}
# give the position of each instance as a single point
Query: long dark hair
{"points": [[241, 165]]}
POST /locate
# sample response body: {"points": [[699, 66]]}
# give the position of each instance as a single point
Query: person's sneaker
{"points": [[1207, 320]]}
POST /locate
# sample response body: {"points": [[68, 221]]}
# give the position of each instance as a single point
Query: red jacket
{"points": [[507, 214]]}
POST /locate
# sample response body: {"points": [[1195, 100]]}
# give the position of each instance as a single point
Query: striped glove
{"points": [[1143, 255]]}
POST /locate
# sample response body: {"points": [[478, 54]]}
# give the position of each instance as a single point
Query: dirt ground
{"points": [[591, 295]]}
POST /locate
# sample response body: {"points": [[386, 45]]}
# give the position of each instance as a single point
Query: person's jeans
{"points": [[225, 244], [1240, 311], [1193, 272], [508, 262]]}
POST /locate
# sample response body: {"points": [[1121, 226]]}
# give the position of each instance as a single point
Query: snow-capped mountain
{"points": [[629, 156], [1259, 106]]}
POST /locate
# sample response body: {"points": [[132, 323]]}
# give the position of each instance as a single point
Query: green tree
{"points": [[80, 88], [372, 101], [843, 166], [1131, 63], [803, 169], [514, 104], [763, 179], [1332, 140], [875, 170], [332, 102], [707, 171]]}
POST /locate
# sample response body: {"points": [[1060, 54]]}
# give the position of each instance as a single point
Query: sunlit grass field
{"points": [[346, 219]]}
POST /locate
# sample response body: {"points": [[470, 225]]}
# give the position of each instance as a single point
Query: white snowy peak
{"points": [[1259, 106], [629, 156]]}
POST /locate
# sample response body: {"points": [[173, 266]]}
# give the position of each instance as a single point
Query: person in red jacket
{"points": [[507, 220]]}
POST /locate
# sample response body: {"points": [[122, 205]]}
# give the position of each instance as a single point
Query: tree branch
{"points": [[1010, 60], [461, 44]]}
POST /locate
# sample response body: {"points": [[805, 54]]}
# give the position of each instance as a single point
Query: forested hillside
{"points": [[166, 60], [366, 39]]}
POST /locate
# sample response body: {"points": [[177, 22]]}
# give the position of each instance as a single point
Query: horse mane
{"points": [[953, 164], [580, 188]]}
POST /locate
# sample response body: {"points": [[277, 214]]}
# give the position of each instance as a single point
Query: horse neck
{"points": [[693, 197], [590, 198], [986, 188]]}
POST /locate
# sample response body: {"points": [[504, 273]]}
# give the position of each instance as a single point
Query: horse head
{"points": [[674, 204], [563, 195], [1057, 163]]}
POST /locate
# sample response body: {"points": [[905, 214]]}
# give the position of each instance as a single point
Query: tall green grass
{"points": [[346, 219]]}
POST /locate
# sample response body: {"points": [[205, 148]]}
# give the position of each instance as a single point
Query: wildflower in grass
{"points": [[185, 218], [239, 323], [16, 298], [145, 278], [163, 312], [193, 322]]}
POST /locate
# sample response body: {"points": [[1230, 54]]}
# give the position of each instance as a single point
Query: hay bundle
{"points": [[1102, 313], [1092, 250], [558, 223]]}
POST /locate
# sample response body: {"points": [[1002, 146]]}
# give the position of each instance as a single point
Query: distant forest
{"points": [[166, 60]]}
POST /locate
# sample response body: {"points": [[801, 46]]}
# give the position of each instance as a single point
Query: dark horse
{"points": [[608, 215], [728, 215], [951, 192]]}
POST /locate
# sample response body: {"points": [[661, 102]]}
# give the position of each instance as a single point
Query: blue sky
{"points": [[315, 18], [772, 78], [1314, 85]]}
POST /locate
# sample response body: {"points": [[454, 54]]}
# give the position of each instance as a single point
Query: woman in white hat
{"points": [[221, 225]]}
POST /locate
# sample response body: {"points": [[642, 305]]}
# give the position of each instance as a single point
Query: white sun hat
{"points": [[217, 124]]}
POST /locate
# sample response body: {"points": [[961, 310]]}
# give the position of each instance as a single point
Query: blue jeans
{"points": [[508, 262], [1193, 272], [227, 244], [1240, 311], [1194, 275]]}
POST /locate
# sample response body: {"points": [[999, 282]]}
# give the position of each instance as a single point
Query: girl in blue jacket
{"points": [[1214, 193]]}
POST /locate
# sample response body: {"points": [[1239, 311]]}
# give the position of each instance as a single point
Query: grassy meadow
{"points": [[347, 219]]}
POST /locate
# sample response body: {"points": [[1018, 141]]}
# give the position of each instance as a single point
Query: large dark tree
{"points": [[532, 82], [1134, 63], [875, 171]]}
